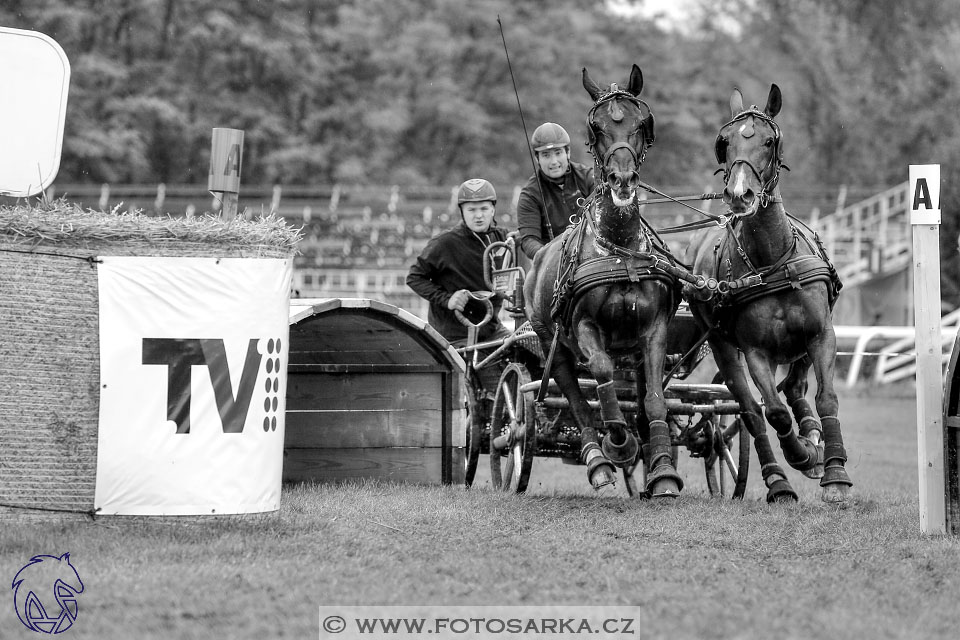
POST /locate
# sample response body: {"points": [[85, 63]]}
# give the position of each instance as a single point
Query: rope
{"points": [[88, 258], [90, 513]]}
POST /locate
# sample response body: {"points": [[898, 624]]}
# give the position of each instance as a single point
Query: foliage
{"points": [[419, 92]]}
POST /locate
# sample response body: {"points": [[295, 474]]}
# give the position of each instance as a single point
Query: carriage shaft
{"points": [[674, 406]]}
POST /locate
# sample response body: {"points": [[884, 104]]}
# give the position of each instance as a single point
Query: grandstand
{"points": [[359, 241]]}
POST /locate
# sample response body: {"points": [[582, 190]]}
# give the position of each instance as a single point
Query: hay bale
{"points": [[50, 349]]}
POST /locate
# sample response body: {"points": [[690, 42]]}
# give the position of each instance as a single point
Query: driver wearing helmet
{"points": [[451, 266], [549, 198]]}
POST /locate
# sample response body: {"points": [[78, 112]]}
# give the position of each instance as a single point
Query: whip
{"points": [[533, 160]]}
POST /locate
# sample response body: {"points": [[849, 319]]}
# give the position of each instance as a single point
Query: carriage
{"points": [[599, 320], [513, 423]]}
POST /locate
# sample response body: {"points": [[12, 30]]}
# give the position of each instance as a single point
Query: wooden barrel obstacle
{"points": [[50, 353], [372, 392]]}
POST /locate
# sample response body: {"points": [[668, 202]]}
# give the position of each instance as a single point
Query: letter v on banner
{"points": [[181, 355], [924, 196]]}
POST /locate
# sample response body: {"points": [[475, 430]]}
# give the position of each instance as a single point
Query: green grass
{"points": [[697, 568]]}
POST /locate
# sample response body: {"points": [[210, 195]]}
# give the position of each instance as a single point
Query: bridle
{"points": [[645, 127], [775, 162]]}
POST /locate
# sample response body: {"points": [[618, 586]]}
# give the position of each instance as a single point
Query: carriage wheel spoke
{"points": [[729, 463]]}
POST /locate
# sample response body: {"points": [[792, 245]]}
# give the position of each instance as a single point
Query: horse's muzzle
{"points": [[623, 186]]}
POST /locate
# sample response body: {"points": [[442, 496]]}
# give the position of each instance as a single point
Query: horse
{"points": [[774, 306], [596, 293]]}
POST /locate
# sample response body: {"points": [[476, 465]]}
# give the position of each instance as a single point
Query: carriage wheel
{"points": [[471, 454], [728, 458], [513, 432], [729, 463]]}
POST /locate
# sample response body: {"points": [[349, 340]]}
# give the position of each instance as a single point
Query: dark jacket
{"points": [[452, 261], [561, 197]]}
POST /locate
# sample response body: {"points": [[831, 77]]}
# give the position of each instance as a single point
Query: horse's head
{"points": [[750, 150], [619, 132]]}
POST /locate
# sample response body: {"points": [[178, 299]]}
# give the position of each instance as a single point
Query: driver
{"points": [[450, 267], [559, 181]]}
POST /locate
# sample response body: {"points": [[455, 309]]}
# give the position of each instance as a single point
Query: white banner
{"points": [[193, 362]]}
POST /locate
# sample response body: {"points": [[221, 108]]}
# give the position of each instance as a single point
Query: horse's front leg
{"points": [[835, 481], [728, 361], [663, 481], [619, 445], [795, 390], [800, 453]]}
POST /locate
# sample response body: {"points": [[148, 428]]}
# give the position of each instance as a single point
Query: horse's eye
{"points": [[768, 142]]}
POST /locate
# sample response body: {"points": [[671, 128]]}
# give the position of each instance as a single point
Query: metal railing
{"points": [[894, 348]]}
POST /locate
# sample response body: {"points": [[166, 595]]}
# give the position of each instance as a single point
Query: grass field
{"points": [[696, 568]]}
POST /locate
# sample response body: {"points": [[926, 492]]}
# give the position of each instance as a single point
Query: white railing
{"points": [[894, 348], [870, 237]]}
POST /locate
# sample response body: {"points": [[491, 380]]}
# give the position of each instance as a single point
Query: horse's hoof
{"points": [[812, 455], [780, 491], [622, 455], [600, 472], [816, 471], [836, 485], [603, 478], [665, 488], [606, 491], [837, 495], [664, 482]]}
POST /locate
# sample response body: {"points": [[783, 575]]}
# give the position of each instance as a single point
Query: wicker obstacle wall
{"points": [[50, 347]]}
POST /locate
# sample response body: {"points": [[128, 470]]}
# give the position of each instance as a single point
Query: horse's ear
{"points": [[635, 84], [592, 87], [736, 103], [774, 102]]}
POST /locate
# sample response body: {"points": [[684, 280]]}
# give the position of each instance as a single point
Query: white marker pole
{"points": [[226, 156], [925, 220]]}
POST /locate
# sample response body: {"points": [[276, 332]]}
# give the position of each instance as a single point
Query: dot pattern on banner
{"points": [[272, 385]]}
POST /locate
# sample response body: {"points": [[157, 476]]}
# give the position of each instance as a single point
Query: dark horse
{"points": [[775, 306], [598, 289]]}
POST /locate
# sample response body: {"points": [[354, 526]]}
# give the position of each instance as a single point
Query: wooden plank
{"points": [[395, 464], [333, 391], [301, 353], [365, 368], [351, 429]]}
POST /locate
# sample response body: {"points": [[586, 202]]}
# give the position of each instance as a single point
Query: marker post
{"points": [[925, 221], [226, 155]]}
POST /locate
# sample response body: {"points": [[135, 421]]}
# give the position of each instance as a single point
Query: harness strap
{"points": [[795, 273]]}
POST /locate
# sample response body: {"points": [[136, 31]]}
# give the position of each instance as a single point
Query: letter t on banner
{"points": [[924, 197], [226, 155]]}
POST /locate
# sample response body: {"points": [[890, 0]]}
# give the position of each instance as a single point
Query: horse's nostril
{"points": [[729, 195], [634, 180]]}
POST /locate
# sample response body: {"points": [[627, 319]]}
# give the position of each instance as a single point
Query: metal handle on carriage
{"points": [[508, 259], [484, 298]]}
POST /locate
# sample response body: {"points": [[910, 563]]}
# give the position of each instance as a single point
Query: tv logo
{"points": [[181, 355], [45, 594]]}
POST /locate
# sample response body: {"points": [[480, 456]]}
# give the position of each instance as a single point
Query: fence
{"points": [[894, 348], [871, 237]]}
